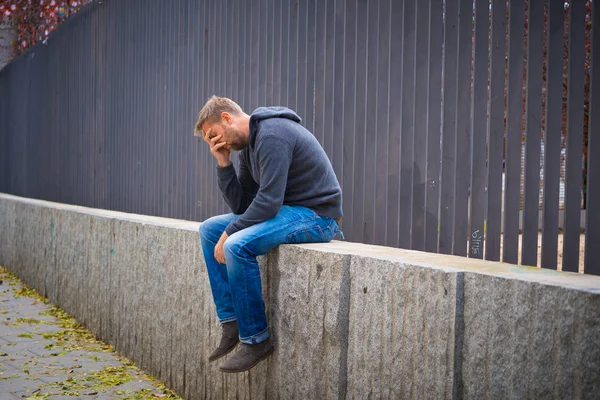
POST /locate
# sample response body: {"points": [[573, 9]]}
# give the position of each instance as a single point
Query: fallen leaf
{"points": [[159, 395], [70, 371]]}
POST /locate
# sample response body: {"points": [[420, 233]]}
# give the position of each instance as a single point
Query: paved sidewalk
{"points": [[44, 353]]}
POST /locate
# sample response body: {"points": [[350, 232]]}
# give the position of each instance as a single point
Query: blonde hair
{"points": [[211, 112]]}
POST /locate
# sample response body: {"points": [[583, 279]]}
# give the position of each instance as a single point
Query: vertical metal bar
{"points": [[552, 136], [463, 128], [395, 123], [357, 233], [253, 46], [432, 191], [213, 66], [72, 133], [301, 61], [330, 76], [242, 51], [514, 128], [350, 166], [183, 168], [131, 77], [207, 37], [277, 40], [571, 238], [182, 92], [337, 134], [247, 65], [222, 78], [592, 223], [311, 42], [285, 51], [449, 126], [480, 102], [496, 130], [293, 56], [533, 132], [111, 134], [382, 116], [148, 127], [167, 114], [199, 98], [269, 44], [372, 123], [105, 101], [408, 125], [262, 52], [93, 108], [320, 74], [420, 142]]}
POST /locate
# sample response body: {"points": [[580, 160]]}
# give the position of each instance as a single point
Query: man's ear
{"points": [[226, 117]]}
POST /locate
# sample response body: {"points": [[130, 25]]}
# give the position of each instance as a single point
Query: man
{"points": [[285, 191]]}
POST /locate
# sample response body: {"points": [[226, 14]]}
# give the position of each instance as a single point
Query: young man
{"points": [[285, 191]]}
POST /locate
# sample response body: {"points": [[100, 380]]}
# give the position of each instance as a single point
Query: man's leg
{"points": [[293, 224], [210, 232]]}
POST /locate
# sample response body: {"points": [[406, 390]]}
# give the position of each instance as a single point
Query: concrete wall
{"points": [[349, 320]]}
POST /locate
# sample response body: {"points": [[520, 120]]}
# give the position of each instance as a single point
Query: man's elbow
{"points": [[241, 207]]}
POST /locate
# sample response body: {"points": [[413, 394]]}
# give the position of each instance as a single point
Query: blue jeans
{"points": [[236, 286]]}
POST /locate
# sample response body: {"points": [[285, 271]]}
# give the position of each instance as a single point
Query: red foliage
{"points": [[33, 20]]}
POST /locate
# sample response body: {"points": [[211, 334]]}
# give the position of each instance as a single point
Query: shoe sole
{"points": [[224, 354], [264, 357]]}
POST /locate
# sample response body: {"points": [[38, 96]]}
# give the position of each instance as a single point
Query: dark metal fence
{"points": [[422, 106]]}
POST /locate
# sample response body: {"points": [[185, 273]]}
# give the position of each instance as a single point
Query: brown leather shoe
{"points": [[247, 356], [229, 339]]}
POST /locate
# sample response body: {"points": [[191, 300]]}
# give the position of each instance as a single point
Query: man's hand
{"points": [[219, 254], [217, 148]]}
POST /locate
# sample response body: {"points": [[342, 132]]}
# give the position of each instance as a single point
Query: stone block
{"points": [[523, 339], [7, 231], [127, 256], [402, 330], [308, 302], [27, 244]]}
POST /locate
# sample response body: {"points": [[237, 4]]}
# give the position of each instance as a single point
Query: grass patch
{"points": [[26, 335], [29, 321], [109, 377]]}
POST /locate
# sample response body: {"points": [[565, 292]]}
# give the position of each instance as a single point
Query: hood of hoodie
{"points": [[263, 113]]}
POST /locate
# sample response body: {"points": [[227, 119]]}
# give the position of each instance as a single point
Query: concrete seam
{"points": [[459, 333], [343, 318]]}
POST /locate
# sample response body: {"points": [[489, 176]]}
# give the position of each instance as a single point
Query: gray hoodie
{"points": [[282, 164]]}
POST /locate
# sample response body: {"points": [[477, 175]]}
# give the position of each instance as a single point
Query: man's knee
{"points": [[204, 230], [234, 246], [211, 228]]}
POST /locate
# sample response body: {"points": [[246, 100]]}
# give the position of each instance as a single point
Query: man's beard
{"points": [[237, 140]]}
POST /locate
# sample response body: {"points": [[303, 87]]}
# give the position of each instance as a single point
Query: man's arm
{"points": [[237, 191], [274, 158]]}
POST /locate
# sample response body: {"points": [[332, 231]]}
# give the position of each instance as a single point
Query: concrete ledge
{"points": [[349, 320]]}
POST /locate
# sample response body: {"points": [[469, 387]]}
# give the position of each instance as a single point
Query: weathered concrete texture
{"points": [[402, 330], [348, 320], [27, 222], [527, 340], [309, 308]]}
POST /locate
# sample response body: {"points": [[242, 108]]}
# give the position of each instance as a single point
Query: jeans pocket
{"points": [[312, 234]]}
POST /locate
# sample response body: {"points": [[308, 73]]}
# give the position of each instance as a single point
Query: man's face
{"points": [[234, 140]]}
